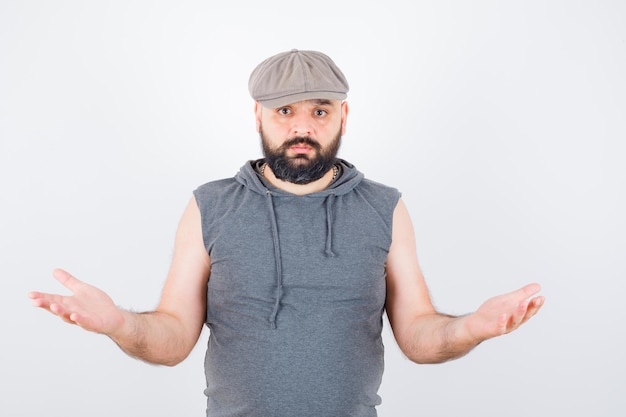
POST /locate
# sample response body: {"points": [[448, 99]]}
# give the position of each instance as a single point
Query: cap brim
{"points": [[294, 98]]}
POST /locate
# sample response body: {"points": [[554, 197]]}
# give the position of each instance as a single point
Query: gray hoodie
{"points": [[296, 295]]}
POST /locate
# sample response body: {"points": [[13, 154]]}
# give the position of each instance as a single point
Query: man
{"points": [[304, 255]]}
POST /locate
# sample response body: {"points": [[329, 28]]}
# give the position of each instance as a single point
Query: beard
{"points": [[300, 169]]}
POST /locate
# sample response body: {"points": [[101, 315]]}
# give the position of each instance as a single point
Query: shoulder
{"points": [[374, 197], [374, 187], [246, 178], [382, 197], [366, 186], [215, 186], [216, 197]]}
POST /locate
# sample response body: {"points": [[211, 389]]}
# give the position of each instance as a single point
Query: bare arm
{"points": [[427, 336], [165, 336]]}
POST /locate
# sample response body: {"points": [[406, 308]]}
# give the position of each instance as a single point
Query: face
{"points": [[301, 140]]}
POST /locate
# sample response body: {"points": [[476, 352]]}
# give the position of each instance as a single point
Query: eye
{"points": [[284, 111], [320, 112]]}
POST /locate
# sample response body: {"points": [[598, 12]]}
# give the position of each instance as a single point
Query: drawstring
{"points": [[277, 254], [329, 225], [277, 259]]}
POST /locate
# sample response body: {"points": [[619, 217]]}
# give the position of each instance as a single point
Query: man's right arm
{"points": [[165, 336]]}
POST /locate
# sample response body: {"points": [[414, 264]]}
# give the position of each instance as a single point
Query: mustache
{"points": [[299, 140]]}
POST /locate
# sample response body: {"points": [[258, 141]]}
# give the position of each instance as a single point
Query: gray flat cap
{"points": [[294, 76]]}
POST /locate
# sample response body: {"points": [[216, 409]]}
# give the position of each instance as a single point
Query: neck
{"points": [[299, 189]]}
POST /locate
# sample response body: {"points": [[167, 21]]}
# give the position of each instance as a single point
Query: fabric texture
{"points": [[296, 295], [296, 76]]}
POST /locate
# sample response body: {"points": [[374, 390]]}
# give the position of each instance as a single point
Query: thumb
{"points": [[67, 280]]}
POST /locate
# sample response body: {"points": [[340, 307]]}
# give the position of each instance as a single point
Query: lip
{"points": [[301, 148]]}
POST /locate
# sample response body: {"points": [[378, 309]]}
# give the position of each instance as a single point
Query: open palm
{"points": [[88, 307]]}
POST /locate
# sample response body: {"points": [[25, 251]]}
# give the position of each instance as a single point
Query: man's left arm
{"points": [[424, 334]]}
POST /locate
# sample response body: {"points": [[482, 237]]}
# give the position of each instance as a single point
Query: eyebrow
{"points": [[322, 102]]}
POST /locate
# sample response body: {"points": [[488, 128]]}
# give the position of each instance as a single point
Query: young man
{"points": [[304, 255]]}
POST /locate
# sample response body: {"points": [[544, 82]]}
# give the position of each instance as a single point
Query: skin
{"points": [[318, 119], [167, 335], [427, 336]]}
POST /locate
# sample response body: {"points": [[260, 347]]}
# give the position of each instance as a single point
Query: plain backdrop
{"points": [[502, 123]]}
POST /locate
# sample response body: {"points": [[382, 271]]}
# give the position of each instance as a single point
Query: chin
{"points": [[299, 160]]}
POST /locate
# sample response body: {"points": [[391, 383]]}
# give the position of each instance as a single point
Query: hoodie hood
{"points": [[250, 177]]}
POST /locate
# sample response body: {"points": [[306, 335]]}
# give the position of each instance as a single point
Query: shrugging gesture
{"points": [[87, 307]]}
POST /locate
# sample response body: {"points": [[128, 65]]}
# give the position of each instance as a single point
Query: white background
{"points": [[503, 124]]}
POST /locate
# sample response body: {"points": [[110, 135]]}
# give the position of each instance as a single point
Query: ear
{"points": [[344, 116], [258, 112]]}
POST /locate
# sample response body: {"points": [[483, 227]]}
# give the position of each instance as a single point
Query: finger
{"points": [[523, 293], [83, 320], [533, 307], [41, 303], [58, 309], [501, 324], [43, 300], [67, 280], [529, 290], [518, 316], [35, 295], [63, 313]]}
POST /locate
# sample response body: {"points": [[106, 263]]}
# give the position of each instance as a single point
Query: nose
{"points": [[302, 125]]}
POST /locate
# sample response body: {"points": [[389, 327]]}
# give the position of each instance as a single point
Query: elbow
{"points": [[418, 357], [172, 362], [176, 357], [161, 357], [414, 353], [426, 353], [427, 360], [430, 356], [422, 358], [169, 361]]}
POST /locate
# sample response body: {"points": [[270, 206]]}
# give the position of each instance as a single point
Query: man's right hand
{"points": [[88, 307], [164, 336]]}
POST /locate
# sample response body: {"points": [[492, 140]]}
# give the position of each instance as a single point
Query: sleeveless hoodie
{"points": [[295, 296]]}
